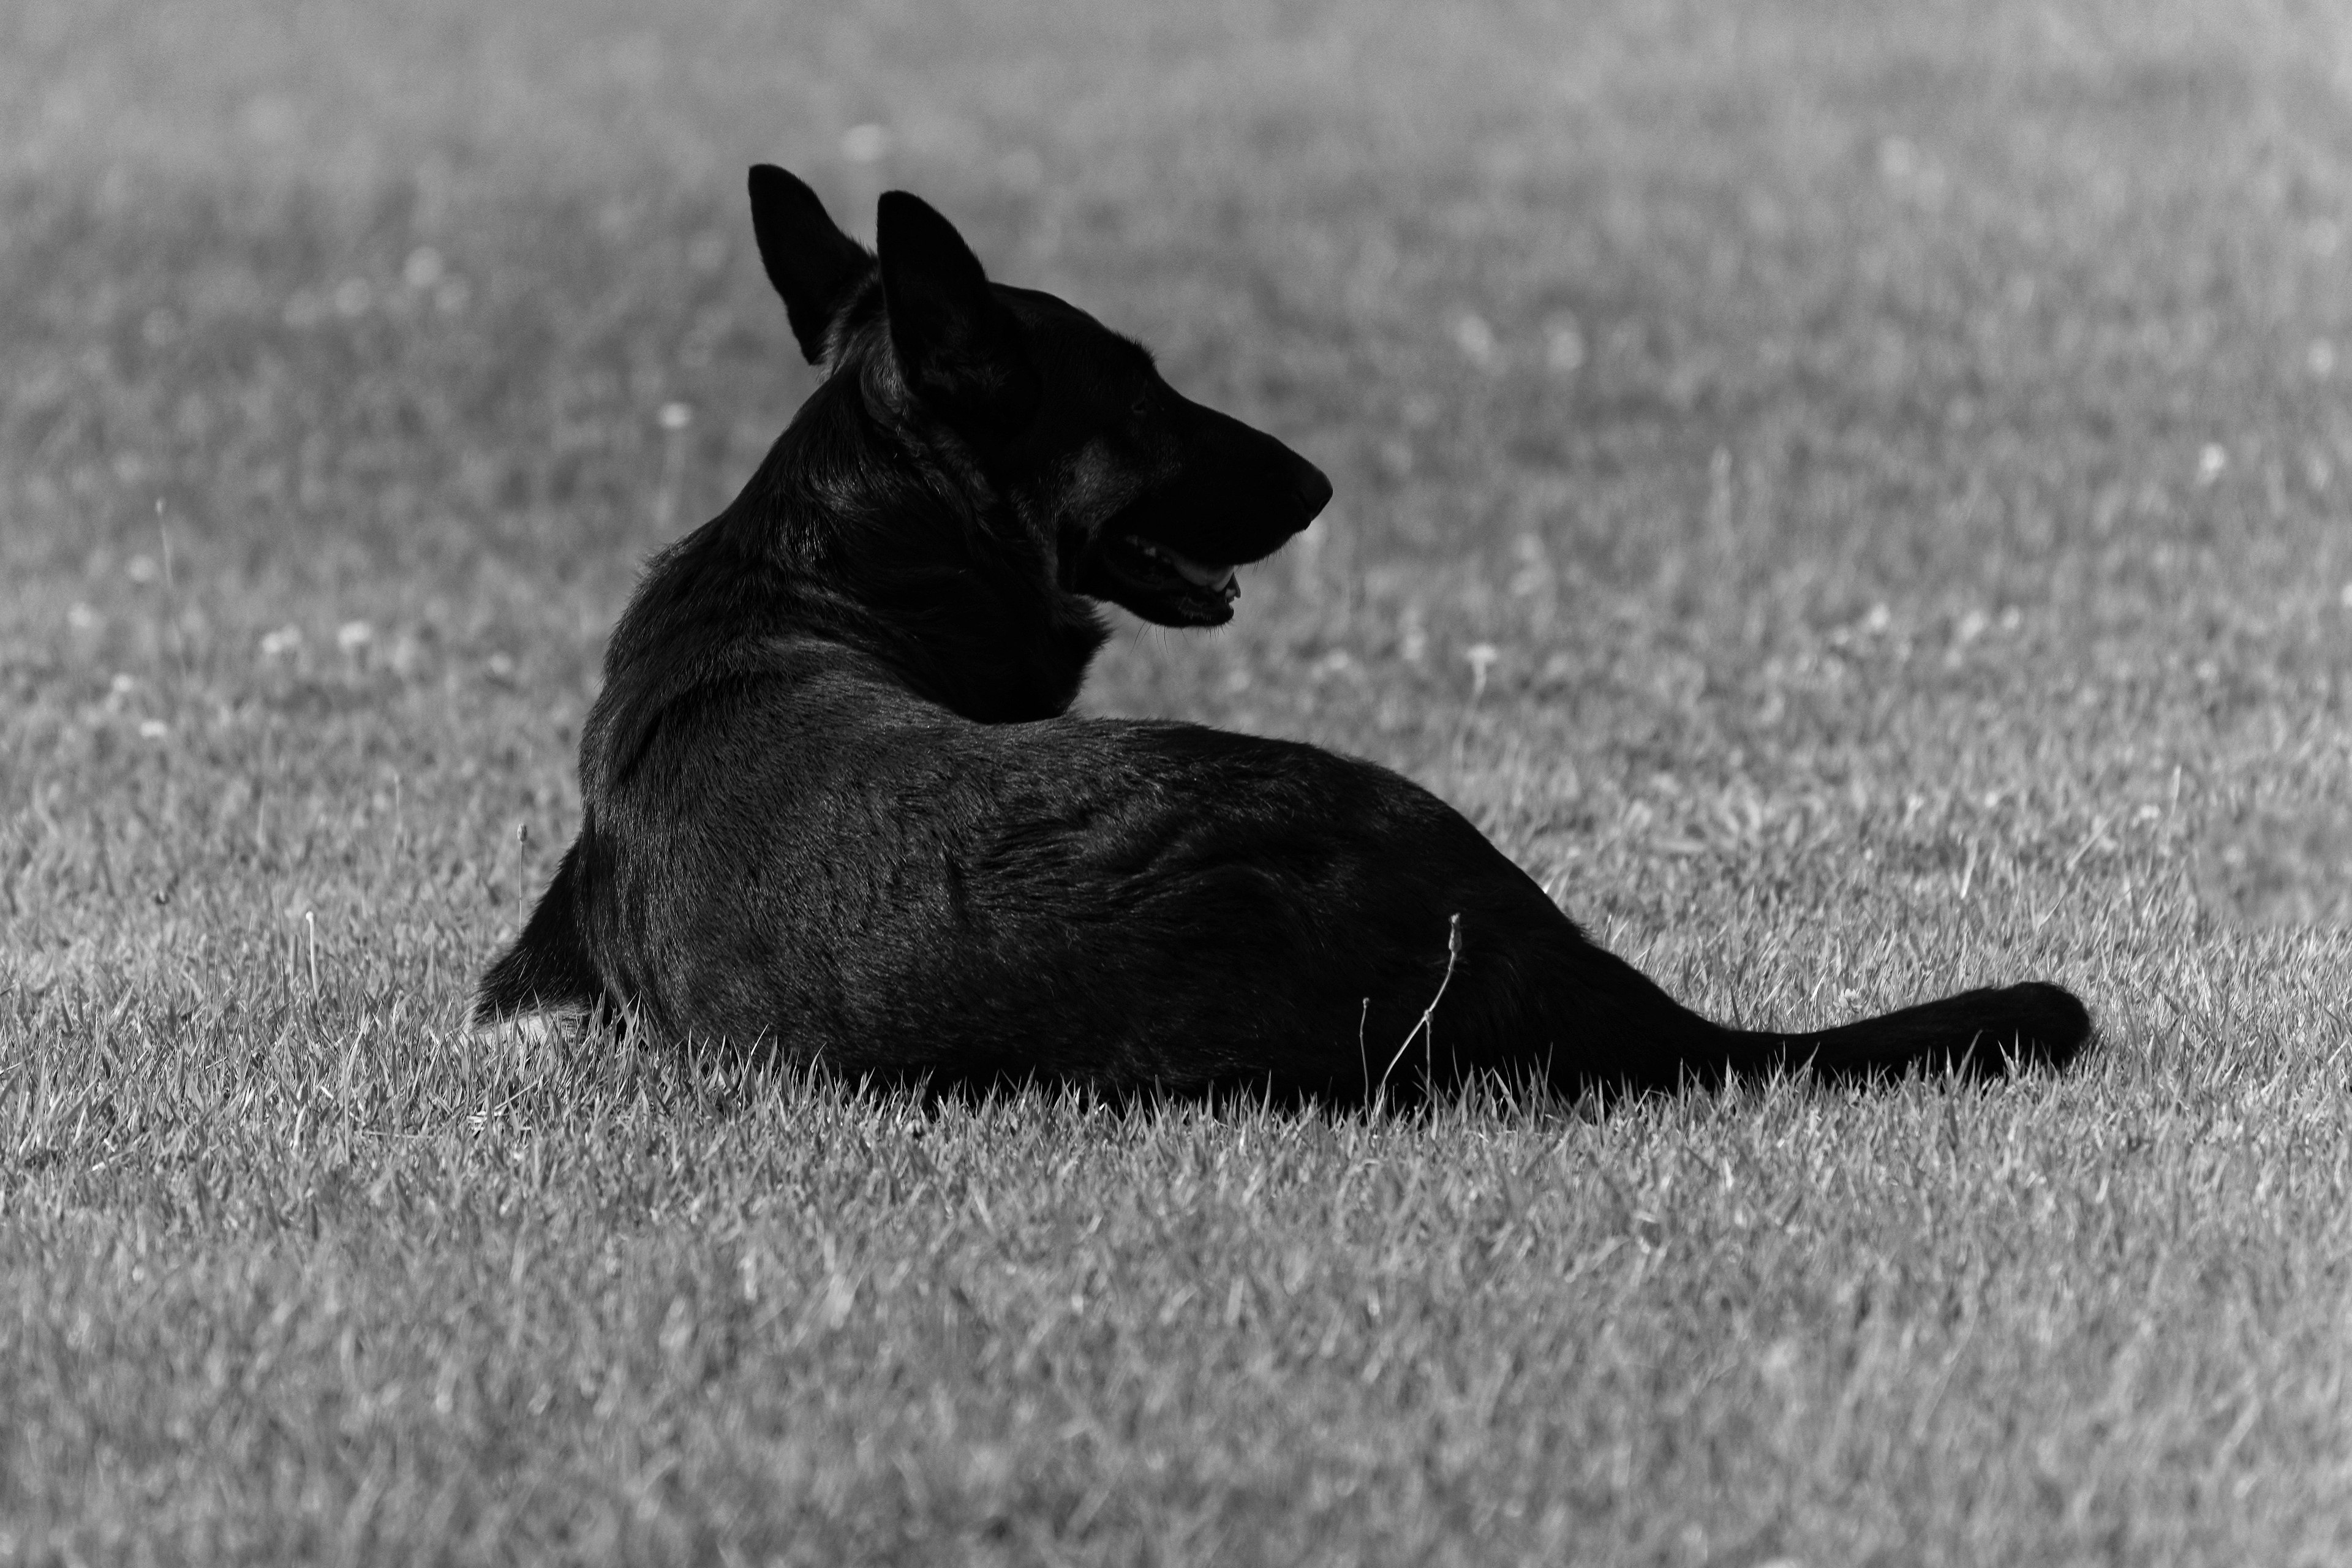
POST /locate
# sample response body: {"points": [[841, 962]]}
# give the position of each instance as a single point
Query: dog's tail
{"points": [[547, 969], [1980, 1034], [1977, 1034]]}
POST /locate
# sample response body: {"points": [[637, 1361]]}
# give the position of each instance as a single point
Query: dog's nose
{"points": [[1313, 492]]}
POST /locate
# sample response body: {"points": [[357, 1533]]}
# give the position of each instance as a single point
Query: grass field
{"points": [[1853, 496]]}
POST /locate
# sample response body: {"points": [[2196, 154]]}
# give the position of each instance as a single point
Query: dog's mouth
{"points": [[1162, 584]]}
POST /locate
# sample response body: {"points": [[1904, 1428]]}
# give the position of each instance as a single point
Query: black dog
{"points": [[834, 810]]}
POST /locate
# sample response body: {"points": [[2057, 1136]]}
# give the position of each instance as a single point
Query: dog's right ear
{"points": [[813, 264], [957, 344]]}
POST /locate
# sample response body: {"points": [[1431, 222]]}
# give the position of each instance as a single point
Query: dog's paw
{"points": [[547, 1026]]}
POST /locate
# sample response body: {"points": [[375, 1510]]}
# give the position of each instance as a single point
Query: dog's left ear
{"points": [[959, 347], [814, 266]]}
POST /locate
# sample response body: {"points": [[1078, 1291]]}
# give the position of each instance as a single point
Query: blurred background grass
{"points": [[1649, 344]]}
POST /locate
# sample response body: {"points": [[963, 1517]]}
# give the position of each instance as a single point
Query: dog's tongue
{"points": [[1217, 579]]}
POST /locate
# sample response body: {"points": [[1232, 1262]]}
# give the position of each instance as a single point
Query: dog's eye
{"points": [[1140, 406]]}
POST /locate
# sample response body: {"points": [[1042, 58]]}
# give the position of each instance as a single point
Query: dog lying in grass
{"points": [[836, 809]]}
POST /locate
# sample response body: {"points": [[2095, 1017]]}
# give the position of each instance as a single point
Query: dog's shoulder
{"points": [[753, 702]]}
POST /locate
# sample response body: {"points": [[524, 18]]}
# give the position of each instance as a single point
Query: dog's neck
{"points": [[856, 531]]}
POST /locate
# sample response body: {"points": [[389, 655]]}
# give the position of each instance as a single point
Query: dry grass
{"points": [[1852, 498]]}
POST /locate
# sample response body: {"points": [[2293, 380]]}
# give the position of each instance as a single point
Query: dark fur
{"points": [[834, 807]]}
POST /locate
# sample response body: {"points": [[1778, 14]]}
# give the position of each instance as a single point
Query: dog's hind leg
{"points": [[545, 980]]}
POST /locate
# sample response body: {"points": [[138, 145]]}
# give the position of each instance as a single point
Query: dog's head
{"points": [[1137, 494]]}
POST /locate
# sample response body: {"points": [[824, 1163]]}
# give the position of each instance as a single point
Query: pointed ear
{"points": [[959, 347], [813, 264]]}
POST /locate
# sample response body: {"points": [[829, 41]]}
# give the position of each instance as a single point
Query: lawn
{"points": [[1853, 496]]}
